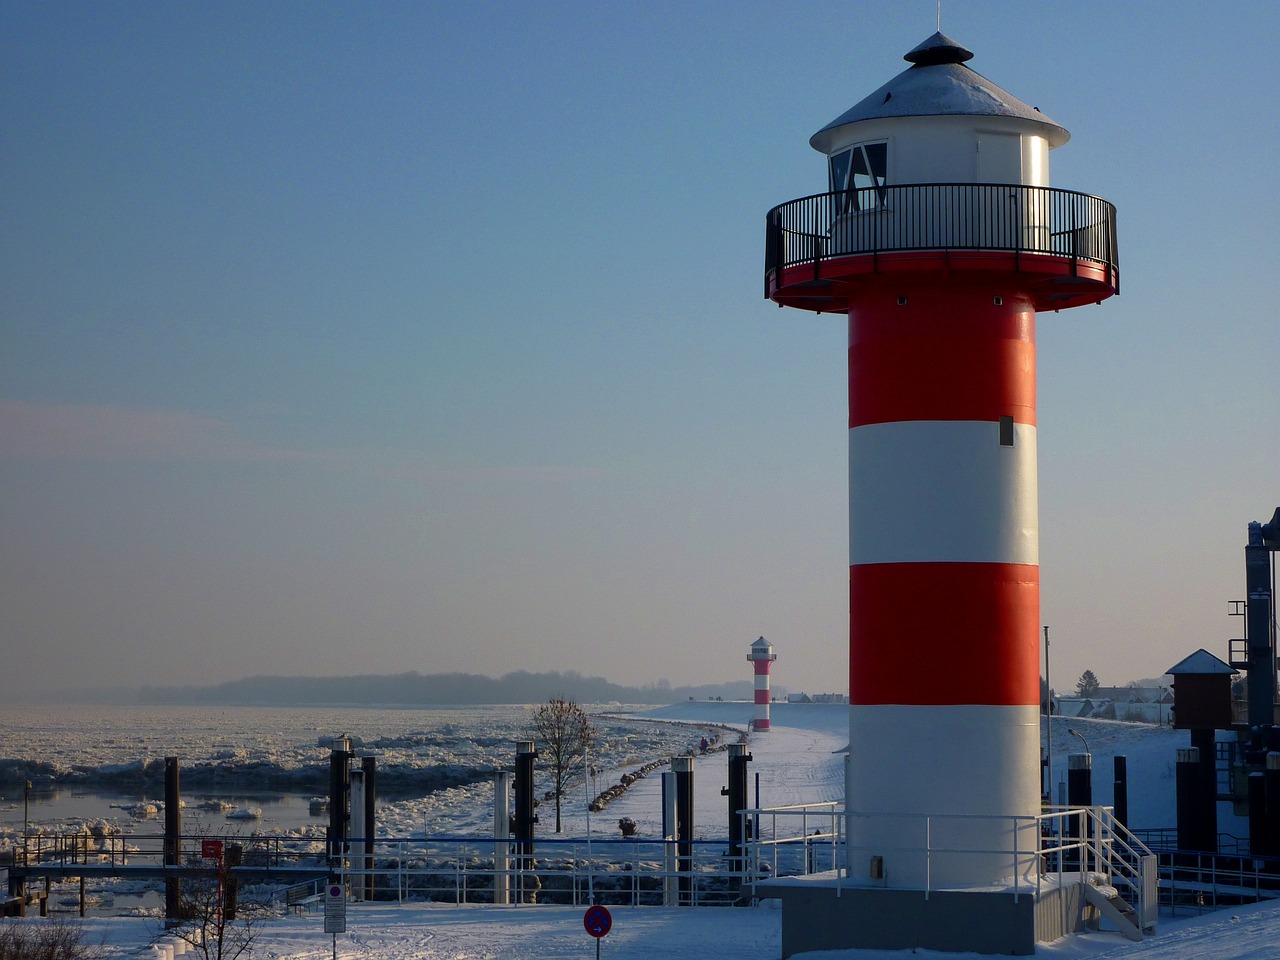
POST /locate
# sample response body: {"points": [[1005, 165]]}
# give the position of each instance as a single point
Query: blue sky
{"points": [[427, 336]]}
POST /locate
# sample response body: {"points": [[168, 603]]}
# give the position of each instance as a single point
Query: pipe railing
{"points": [[630, 870], [940, 216], [1060, 846]]}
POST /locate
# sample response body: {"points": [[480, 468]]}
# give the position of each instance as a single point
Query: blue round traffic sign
{"points": [[598, 921]]}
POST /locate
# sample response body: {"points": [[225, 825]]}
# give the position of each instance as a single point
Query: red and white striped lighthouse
{"points": [[940, 239], [762, 657]]}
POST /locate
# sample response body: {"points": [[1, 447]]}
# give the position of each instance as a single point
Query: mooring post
{"points": [[1120, 788], [736, 791], [501, 837], [358, 834], [370, 767], [525, 817], [172, 839], [683, 769], [1079, 794], [339, 798], [670, 886], [1196, 831]]}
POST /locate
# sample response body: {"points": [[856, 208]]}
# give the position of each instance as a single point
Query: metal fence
{"points": [[627, 871], [941, 216], [778, 842], [1052, 848]]}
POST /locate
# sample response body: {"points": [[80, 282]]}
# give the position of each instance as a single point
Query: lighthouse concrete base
{"points": [[820, 914]]}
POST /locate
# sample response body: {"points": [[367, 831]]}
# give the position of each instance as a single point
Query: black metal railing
{"points": [[941, 216]]}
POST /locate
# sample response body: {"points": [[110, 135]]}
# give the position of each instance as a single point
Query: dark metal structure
{"points": [[172, 837], [682, 767], [736, 791], [1120, 788], [525, 817], [1197, 803], [339, 795], [1264, 541]]}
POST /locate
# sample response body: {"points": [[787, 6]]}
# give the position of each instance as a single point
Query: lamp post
{"points": [[1082, 740]]}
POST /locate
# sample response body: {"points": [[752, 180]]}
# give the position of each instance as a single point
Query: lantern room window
{"points": [[861, 173]]}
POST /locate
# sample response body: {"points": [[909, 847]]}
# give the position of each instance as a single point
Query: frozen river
{"points": [[435, 766]]}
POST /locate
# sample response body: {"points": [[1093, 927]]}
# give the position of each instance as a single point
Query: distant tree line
{"points": [[413, 688]]}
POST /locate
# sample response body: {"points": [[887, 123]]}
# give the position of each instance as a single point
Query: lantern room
{"points": [[936, 122], [940, 171]]}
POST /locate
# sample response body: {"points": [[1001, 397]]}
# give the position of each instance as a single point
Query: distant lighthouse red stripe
{"points": [[944, 633], [962, 359]]}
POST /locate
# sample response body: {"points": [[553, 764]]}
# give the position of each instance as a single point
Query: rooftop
{"points": [[938, 84]]}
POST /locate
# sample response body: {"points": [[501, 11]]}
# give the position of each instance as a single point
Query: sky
{"points": [[366, 338]]}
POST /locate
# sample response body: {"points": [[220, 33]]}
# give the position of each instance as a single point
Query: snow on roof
{"points": [[1201, 662], [938, 84]]}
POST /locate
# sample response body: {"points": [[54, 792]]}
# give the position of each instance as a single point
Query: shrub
{"points": [[22, 940]]}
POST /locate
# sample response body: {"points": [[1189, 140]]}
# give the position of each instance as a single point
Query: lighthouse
{"points": [[940, 239], [762, 657]]}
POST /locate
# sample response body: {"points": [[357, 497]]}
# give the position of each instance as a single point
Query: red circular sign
{"points": [[598, 921]]}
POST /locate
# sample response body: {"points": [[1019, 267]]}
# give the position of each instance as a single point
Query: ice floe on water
{"points": [[435, 766]]}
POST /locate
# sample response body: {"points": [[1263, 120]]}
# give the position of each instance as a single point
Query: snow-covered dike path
{"points": [[796, 762]]}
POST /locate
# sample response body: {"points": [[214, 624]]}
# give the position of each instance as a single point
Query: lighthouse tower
{"points": [[762, 657], [940, 239]]}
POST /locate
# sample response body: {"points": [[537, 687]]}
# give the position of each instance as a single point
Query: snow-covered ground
{"points": [[796, 764], [434, 932]]}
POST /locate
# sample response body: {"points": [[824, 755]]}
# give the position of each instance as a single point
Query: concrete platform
{"points": [[819, 913]]}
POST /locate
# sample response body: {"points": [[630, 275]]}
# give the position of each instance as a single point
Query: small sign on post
{"points": [[598, 922], [211, 850], [335, 909]]}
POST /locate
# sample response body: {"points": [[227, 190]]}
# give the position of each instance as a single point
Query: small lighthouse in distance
{"points": [[762, 657], [939, 240]]}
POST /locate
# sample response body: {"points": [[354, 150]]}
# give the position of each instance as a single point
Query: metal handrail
{"points": [[941, 216], [1066, 841], [627, 869]]}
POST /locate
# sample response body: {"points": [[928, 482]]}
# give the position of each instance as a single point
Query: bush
{"points": [[21, 940]]}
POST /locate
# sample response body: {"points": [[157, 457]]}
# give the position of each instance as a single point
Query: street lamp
{"points": [[1082, 740]]}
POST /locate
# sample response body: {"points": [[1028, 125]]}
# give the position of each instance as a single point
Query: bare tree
{"points": [[565, 732]]}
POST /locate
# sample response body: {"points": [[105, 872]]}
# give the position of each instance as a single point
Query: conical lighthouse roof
{"points": [[938, 84]]}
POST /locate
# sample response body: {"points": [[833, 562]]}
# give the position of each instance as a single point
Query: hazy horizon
{"points": [[372, 338]]}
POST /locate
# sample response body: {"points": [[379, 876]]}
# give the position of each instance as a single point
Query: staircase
{"points": [[1118, 875], [1108, 902]]}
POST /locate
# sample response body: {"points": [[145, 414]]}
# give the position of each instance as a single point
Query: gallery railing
{"points": [[940, 216]]}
